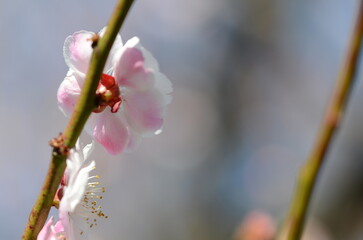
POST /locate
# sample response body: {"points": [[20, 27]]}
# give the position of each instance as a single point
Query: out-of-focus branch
{"points": [[294, 224]]}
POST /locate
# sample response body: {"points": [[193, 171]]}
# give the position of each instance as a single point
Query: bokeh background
{"points": [[251, 79]]}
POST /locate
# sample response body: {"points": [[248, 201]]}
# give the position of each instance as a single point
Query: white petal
{"points": [[163, 84], [77, 50], [134, 140], [78, 179], [88, 149], [85, 151]]}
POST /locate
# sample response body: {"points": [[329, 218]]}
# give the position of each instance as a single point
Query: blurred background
{"points": [[251, 80]]}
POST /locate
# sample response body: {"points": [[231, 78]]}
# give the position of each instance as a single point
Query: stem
{"points": [[293, 227], [82, 111]]}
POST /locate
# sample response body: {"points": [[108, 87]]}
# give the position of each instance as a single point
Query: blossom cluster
{"points": [[131, 99]]}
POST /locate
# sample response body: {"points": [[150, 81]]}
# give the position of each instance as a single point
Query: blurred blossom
{"points": [[257, 225]]}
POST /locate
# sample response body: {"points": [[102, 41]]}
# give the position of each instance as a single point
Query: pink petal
{"points": [[144, 111], [46, 233], [58, 227], [110, 130], [137, 69], [149, 60], [50, 232], [130, 71], [78, 50], [68, 93]]}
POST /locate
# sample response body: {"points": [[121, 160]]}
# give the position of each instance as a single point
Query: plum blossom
{"points": [[132, 93], [78, 197], [78, 205]]}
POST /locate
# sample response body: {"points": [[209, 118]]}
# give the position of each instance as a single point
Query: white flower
{"points": [[78, 205]]}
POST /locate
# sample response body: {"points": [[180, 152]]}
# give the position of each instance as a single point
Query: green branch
{"points": [[82, 111], [293, 227]]}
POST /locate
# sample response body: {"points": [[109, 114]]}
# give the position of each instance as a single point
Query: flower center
{"points": [[107, 94]]}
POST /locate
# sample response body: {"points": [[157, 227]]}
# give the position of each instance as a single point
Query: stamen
{"points": [[89, 178], [107, 94], [91, 208]]}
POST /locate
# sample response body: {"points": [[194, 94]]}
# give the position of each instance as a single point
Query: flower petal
{"points": [[138, 70], [47, 232], [58, 227], [163, 84], [77, 51], [110, 130], [88, 149], [68, 93], [114, 52], [144, 111], [68, 224], [130, 71], [84, 152], [134, 140], [149, 60], [78, 169]]}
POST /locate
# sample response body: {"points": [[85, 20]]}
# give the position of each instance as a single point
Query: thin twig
{"points": [[83, 109], [293, 227]]}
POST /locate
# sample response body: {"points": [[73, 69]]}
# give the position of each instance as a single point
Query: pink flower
{"points": [[136, 109], [51, 232]]}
